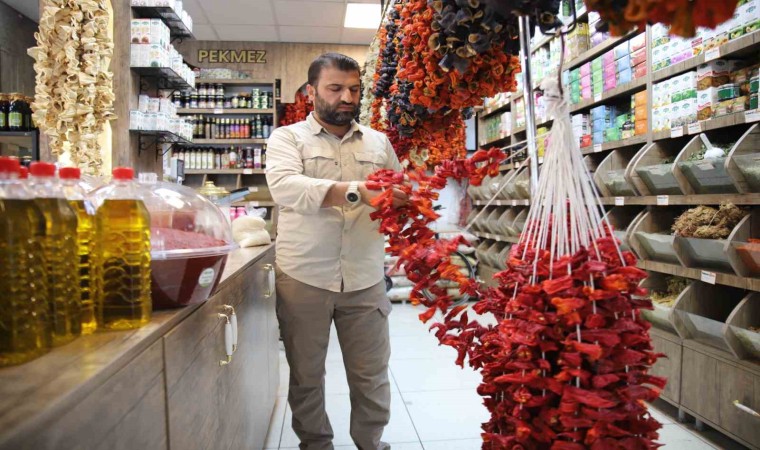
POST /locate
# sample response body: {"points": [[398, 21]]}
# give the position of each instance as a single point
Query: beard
{"points": [[330, 114]]}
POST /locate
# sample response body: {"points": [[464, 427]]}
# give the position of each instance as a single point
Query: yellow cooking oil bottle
{"points": [[77, 198], [60, 249], [24, 325], [122, 254]]}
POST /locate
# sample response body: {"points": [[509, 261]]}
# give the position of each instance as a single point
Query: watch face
{"points": [[353, 197]]}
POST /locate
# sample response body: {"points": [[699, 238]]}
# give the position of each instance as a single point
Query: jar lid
{"points": [[123, 173], [70, 173], [42, 169], [9, 165]]}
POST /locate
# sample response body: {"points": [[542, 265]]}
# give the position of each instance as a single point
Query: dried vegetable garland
{"points": [[74, 88], [298, 110]]}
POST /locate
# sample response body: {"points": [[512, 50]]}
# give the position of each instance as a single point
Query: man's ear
{"points": [[311, 91]]}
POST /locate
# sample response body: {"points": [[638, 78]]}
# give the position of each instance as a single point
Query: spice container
{"points": [[749, 166], [708, 176], [728, 91], [493, 220], [190, 239], [705, 253], [743, 332], [617, 184], [698, 316], [749, 254], [659, 179], [664, 291], [658, 246]]}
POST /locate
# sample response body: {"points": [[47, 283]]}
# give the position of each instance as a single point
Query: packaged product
{"points": [[713, 74]]}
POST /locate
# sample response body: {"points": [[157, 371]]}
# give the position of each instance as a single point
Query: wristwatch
{"points": [[352, 193]]}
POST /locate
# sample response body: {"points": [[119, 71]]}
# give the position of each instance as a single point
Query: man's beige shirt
{"points": [[326, 247]]}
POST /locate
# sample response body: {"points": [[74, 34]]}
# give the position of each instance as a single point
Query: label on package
{"points": [[707, 277], [207, 277], [752, 116], [712, 54], [695, 127], [663, 200], [597, 148], [676, 132], [619, 201]]}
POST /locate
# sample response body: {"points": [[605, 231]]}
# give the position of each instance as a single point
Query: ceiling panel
{"points": [[204, 32], [324, 35], [247, 33], [357, 36], [316, 14], [239, 12], [195, 11]]}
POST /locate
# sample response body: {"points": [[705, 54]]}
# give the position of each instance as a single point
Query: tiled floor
{"points": [[434, 405]]}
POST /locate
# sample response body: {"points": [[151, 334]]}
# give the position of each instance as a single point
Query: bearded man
{"points": [[329, 262]]}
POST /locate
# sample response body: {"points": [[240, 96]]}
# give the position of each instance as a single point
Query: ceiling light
{"points": [[362, 15]]}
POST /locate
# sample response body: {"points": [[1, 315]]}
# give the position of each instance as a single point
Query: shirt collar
{"points": [[317, 128]]}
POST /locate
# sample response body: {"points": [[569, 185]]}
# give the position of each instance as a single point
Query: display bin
{"points": [[471, 219], [701, 312], [504, 256], [708, 176], [510, 190], [612, 176], [709, 254], [743, 251], [521, 185], [659, 179], [492, 254], [744, 161], [519, 223], [653, 170], [481, 249], [748, 254], [506, 221], [660, 316], [617, 184], [482, 220], [492, 221], [651, 237], [742, 323]]}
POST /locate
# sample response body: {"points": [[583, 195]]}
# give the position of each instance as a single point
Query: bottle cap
{"points": [[123, 173], [23, 173], [9, 165], [42, 169], [70, 173]]}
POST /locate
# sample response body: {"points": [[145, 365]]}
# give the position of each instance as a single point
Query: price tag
{"points": [[705, 166], [707, 277], [514, 202], [676, 132], [254, 204], [247, 171], [218, 110], [619, 201], [597, 148], [253, 189], [597, 97], [712, 54], [695, 128], [752, 115], [663, 200]]}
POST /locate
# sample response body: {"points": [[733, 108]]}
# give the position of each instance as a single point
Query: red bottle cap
{"points": [[23, 173], [9, 165], [70, 173], [123, 173], [42, 169]]}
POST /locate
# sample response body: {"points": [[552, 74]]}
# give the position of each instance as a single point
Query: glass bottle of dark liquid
{"points": [[5, 105]]}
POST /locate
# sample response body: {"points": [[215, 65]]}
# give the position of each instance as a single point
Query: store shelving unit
{"points": [[693, 363], [177, 28], [225, 142], [23, 140], [230, 111]]}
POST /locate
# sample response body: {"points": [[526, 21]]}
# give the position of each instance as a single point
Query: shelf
{"points": [[163, 137], [518, 130], [636, 140], [497, 142], [19, 138], [744, 44], [496, 237], [598, 50], [619, 91], [255, 203], [168, 78], [729, 120], [502, 203], [177, 27], [228, 141], [242, 82], [486, 114], [752, 284], [224, 111], [677, 200], [224, 171]]}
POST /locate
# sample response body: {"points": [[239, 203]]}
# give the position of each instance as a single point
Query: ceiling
{"points": [[313, 21]]}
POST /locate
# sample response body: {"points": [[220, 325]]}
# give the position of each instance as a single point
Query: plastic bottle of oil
{"points": [[60, 248], [122, 254], [24, 326], [78, 200]]}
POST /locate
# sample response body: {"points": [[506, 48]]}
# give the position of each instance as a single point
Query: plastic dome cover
{"points": [[184, 224]]}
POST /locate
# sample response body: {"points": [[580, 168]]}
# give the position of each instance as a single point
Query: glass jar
{"points": [[235, 101], [16, 113], [220, 89], [227, 103], [5, 105], [177, 99], [219, 101], [27, 105], [202, 102], [194, 101], [211, 90], [202, 90]]}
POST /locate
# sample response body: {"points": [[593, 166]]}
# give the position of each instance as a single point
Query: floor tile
{"points": [[464, 444], [399, 430], [675, 437], [660, 416], [420, 347], [446, 415], [275, 425], [415, 375]]}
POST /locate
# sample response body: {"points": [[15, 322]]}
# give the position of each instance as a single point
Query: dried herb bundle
{"points": [[706, 222]]}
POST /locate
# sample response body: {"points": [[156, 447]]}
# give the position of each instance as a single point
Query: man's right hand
{"points": [[399, 197]]}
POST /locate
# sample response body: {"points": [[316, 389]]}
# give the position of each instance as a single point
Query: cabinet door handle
{"points": [[233, 321], [227, 339], [746, 409], [271, 281]]}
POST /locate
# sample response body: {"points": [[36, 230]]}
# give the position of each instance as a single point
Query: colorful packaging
{"points": [[713, 74]]}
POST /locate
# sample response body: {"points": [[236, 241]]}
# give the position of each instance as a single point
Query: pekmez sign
{"points": [[232, 56]]}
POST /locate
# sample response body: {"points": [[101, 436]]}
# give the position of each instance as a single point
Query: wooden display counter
{"points": [[161, 386]]}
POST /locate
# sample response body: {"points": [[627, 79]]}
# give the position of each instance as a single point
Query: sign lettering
{"points": [[232, 56]]}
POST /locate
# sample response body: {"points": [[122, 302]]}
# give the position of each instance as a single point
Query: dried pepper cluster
{"points": [[298, 110], [683, 16]]}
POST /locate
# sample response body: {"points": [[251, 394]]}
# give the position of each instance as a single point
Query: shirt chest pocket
{"points": [[320, 162], [369, 162]]}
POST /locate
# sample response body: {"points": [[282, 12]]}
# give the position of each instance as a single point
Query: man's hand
{"points": [[399, 197]]}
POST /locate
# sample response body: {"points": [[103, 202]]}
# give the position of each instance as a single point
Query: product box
{"points": [[586, 140], [585, 81], [697, 44], [610, 83], [597, 64], [575, 74], [609, 71], [640, 56], [623, 63], [597, 137], [622, 50], [136, 120], [723, 108], [660, 35], [713, 74], [640, 70], [598, 37], [612, 134], [640, 99], [585, 69], [587, 93], [754, 101], [625, 76], [637, 42], [608, 58], [640, 112], [597, 88], [640, 127], [707, 102], [749, 15]]}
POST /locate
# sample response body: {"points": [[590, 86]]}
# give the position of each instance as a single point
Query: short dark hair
{"points": [[336, 60]]}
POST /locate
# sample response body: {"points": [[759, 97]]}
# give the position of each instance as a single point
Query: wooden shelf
{"points": [[598, 50], [168, 78], [752, 284], [497, 142], [492, 112], [241, 82], [224, 171], [518, 130], [224, 111], [607, 146], [502, 203], [229, 141], [686, 200], [744, 44], [619, 91], [255, 203], [177, 27], [729, 120], [496, 237]]}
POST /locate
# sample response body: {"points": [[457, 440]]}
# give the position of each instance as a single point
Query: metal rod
{"points": [[530, 109]]}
